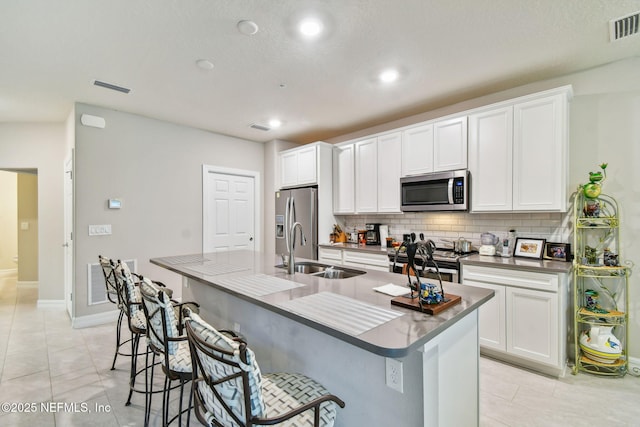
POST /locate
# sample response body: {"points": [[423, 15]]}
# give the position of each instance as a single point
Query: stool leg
{"points": [[134, 366], [165, 400], [118, 334], [148, 387]]}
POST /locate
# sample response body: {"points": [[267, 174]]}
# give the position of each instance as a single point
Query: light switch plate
{"points": [[100, 230]]}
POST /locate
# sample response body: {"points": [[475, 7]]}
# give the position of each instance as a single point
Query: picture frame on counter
{"points": [[557, 251], [529, 248]]}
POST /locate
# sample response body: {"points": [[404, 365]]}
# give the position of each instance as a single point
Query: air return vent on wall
{"points": [[624, 27], [96, 289]]}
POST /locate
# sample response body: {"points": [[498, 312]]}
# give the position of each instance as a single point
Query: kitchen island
{"points": [[392, 366]]}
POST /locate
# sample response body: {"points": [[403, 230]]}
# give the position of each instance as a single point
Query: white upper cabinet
{"points": [[540, 162], [298, 167], [344, 179], [518, 157], [389, 171], [490, 164], [450, 144], [435, 147], [417, 150], [367, 175]]}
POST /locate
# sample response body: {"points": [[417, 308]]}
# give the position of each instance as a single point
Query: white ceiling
{"points": [[447, 51]]}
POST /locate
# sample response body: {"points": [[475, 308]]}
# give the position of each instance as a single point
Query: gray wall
{"points": [[155, 169]]}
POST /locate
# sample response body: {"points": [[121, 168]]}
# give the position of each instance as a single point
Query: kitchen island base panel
{"points": [[440, 377]]}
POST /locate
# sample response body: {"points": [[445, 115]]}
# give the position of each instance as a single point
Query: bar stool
{"points": [[131, 307], [228, 388], [166, 339], [111, 287]]}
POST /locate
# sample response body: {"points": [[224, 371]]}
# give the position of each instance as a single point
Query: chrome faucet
{"points": [[291, 267]]}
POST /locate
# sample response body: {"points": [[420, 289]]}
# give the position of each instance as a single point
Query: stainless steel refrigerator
{"points": [[297, 205]]}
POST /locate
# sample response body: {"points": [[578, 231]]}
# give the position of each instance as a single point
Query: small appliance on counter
{"points": [[372, 234], [489, 242], [384, 233]]}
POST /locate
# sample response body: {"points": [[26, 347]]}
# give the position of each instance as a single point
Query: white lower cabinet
{"points": [[354, 258], [372, 261], [330, 256], [525, 322]]}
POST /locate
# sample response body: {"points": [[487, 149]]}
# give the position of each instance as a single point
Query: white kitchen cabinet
{"points": [[367, 175], [389, 172], [344, 179], [354, 258], [490, 159], [366, 159], [450, 144], [525, 322], [540, 161], [369, 260], [298, 166], [518, 157], [330, 256], [417, 150], [532, 325]]}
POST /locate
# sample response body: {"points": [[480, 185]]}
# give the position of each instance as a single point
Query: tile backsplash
{"points": [[555, 227]]}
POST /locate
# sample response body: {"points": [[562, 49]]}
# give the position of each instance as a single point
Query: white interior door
{"points": [[68, 236], [229, 209]]}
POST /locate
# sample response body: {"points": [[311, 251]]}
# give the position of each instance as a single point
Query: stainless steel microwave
{"points": [[439, 191]]}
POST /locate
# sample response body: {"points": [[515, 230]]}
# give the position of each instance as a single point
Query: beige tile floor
{"points": [[42, 359]]}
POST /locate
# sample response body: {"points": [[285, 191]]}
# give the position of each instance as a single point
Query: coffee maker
{"points": [[372, 234]]}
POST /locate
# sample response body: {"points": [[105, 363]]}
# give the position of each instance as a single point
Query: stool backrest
{"points": [[229, 383], [161, 317], [128, 291], [110, 283]]}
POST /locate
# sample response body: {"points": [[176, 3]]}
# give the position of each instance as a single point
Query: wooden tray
{"points": [[413, 304]]}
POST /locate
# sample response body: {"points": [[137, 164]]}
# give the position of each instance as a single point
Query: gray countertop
{"points": [[376, 249], [300, 296], [517, 263]]}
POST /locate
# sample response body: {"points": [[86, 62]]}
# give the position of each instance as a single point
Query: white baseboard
{"points": [[95, 319], [634, 366], [9, 272], [27, 284], [51, 303]]}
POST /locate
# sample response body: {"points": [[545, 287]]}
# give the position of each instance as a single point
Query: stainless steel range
{"points": [[447, 260]]}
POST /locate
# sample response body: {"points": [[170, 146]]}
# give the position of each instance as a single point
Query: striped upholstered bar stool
{"points": [[229, 389], [166, 339], [111, 287]]}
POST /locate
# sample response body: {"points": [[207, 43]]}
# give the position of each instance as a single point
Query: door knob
{"points": [[251, 239], [65, 245]]}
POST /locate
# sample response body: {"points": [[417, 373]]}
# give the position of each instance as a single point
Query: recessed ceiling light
{"points": [[247, 27], [389, 76], [204, 64], [310, 27], [275, 123]]}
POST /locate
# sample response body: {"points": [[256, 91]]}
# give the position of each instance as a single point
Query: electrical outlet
{"points": [[393, 374], [236, 327]]}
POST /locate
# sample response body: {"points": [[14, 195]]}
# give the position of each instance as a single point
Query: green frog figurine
{"points": [[594, 187]]}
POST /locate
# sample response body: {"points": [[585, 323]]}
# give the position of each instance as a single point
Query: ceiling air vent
{"points": [[260, 127], [624, 27], [111, 86]]}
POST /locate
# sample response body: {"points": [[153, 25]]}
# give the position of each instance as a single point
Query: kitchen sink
{"points": [[324, 270]]}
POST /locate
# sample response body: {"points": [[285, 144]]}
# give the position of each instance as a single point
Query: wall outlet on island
{"points": [[393, 373]]}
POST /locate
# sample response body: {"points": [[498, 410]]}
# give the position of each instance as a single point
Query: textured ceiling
{"points": [[447, 51]]}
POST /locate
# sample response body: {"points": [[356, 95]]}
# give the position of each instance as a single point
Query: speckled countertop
{"points": [[518, 263], [407, 331], [376, 249]]}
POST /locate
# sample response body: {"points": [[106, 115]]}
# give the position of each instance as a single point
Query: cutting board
{"points": [[413, 304]]}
